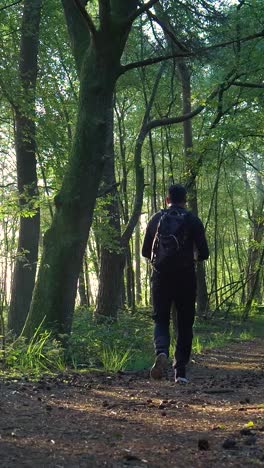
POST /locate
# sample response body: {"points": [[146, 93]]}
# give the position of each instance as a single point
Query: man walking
{"points": [[172, 236]]}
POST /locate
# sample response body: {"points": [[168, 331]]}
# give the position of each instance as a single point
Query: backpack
{"points": [[169, 240]]}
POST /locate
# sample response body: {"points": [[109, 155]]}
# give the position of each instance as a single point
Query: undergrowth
{"points": [[41, 354], [123, 345]]}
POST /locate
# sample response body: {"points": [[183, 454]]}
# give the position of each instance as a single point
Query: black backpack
{"points": [[168, 243]]}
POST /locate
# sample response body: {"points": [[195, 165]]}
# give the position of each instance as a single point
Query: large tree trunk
{"points": [[98, 62], [27, 253], [65, 241]]}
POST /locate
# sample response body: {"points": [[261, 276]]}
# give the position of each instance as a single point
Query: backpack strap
{"points": [[155, 242]]}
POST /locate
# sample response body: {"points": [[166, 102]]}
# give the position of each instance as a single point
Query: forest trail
{"points": [[127, 420]]}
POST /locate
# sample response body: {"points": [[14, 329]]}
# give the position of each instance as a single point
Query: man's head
{"points": [[176, 195]]}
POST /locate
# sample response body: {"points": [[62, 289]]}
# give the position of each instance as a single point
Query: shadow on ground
{"points": [[121, 420]]}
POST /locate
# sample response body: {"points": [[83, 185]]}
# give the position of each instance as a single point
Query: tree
{"points": [[97, 53], [114, 261], [25, 128]]}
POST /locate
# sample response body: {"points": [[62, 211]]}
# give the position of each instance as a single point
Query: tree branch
{"points": [[10, 5], [107, 190], [14, 31], [200, 51], [147, 126], [248, 85], [139, 171], [87, 17], [78, 29], [143, 9], [168, 32], [11, 184], [181, 118], [219, 114], [152, 61], [7, 95]]}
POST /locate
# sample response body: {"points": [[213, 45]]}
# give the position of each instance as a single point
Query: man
{"points": [[175, 283]]}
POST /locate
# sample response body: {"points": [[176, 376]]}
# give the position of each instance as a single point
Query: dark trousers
{"points": [[180, 288]]}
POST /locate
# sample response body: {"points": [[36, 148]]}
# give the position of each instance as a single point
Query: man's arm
{"points": [[147, 244], [200, 240], [150, 234]]}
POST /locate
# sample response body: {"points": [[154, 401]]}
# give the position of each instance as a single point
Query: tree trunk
{"points": [[98, 62], [65, 241], [82, 289], [110, 285], [153, 179], [110, 288], [111, 261], [138, 264], [202, 294], [130, 281], [257, 234], [27, 253], [87, 280], [216, 246], [254, 287]]}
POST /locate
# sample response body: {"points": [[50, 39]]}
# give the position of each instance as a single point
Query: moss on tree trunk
{"points": [[65, 242]]}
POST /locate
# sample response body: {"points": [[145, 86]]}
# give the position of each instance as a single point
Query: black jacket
{"points": [[195, 238]]}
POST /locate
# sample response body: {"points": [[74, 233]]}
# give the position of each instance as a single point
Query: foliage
{"points": [[40, 354], [105, 233], [126, 343], [222, 330], [113, 360]]}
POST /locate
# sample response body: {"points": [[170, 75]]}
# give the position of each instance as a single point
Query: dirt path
{"points": [[127, 420]]}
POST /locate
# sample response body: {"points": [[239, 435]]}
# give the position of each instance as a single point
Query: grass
{"points": [[39, 355], [197, 345], [220, 331], [124, 345], [113, 360], [128, 344]]}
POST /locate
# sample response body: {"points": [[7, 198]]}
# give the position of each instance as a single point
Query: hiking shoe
{"points": [[159, 368], [180, 376], [181, 380]]}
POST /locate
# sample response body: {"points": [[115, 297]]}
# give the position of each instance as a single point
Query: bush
{"points": [[125, 344]]}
